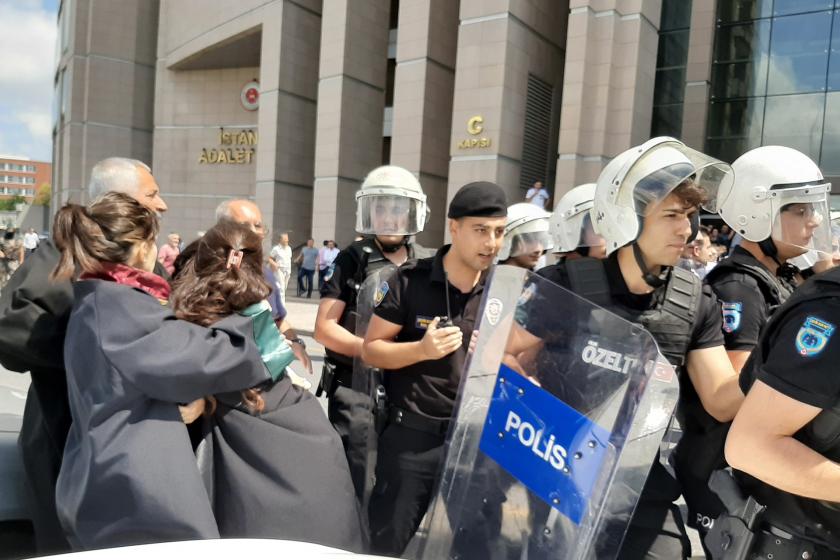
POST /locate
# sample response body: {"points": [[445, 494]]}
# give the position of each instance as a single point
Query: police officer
{"points": [[390, 207], [785, 439], [646, 207], [526, 236], [571, 225], [763, 205], [422, 324]]}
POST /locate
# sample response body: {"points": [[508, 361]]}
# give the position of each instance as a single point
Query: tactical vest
{"points": [[670, 320], [366, 265], [775, 291]]}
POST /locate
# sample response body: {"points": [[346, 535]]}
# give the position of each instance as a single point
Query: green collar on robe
{"points": [[275, 351]]}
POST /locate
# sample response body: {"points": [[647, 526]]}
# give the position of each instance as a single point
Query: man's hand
{"points": [[437, 343], [192, 411]]}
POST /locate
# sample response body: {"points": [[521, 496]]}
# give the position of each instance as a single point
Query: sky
{"points": [[27, 51]]}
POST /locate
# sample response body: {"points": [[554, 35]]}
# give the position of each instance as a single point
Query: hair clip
{"points": [[234, 258]]}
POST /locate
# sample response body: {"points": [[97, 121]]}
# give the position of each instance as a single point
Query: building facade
{"points": [[292, 102], [22, 177]]}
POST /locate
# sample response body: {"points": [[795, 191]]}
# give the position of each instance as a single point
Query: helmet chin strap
{"points": [[785, 270], [392, 247], [649, 278]]}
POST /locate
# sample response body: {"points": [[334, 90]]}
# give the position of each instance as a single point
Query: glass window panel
{"points": [[795, 121], [676, 14], [834, 58], [667, 120], [739, 79], [747, 41], [669, 86], [728, 149], [673, 49], [743, 10], [830, 156], [787, 7], [741, 118], [799, 53]]}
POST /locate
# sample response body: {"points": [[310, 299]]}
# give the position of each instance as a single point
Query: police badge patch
{"points": [[380, 293], [731, 315], [813, 336]]}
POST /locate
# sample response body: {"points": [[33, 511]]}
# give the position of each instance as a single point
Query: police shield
{"points": [[561, 413], [368, 381]]}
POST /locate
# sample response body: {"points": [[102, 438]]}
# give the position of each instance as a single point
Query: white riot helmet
{"points": [[526, 231], [645, 175], [571, 221], [779, 195], [391, 202]]}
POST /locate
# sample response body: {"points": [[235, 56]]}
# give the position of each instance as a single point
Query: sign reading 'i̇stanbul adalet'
{"points": [[236, 147]]}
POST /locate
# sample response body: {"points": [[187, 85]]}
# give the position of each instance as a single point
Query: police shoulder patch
{"points": [[813, 336], [731, 315], [380, 293]]}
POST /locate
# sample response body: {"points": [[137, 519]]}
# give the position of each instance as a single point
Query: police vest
{"points": [[670, 320], [822, 434], [775, 292], [367, 263]]}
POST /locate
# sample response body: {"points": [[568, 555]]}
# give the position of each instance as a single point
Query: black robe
{"points": [[128, 474], [280, 474]]}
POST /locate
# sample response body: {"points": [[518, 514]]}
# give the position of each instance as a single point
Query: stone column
{"points": [[608, 85], [427, 37], [287, 117], [351, 102], [500, 44]]}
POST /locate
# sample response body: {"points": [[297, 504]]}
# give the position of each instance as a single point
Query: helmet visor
{"points": [[801, 220], [388, 214], [672, 168], [530, 243]]}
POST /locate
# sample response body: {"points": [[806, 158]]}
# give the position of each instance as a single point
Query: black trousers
{"points": [[406, 472]]}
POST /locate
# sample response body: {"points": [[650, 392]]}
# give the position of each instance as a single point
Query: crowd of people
{"points": [[182, 420]]}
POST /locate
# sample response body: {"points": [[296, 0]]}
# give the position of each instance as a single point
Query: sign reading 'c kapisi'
{"points": [[236, 147], [475, 126]]}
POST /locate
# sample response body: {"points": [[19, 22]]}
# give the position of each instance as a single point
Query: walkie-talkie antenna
{"points": [[448, 309]]}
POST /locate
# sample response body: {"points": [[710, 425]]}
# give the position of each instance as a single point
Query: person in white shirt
{"points": [[280, 260], [537, 195], [326, 256], [30, 241]]}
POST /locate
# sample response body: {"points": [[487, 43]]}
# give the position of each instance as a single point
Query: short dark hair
{"points": [[691, 194]]}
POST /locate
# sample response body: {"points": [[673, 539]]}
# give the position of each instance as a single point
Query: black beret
{"points": [[480, 199]]}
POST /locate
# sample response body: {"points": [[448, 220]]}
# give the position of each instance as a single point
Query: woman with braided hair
{"points": [[273, 464]]}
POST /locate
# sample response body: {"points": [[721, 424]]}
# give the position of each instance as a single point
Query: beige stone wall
{"points": [[351, 101], [608, 86], [423, 91], [109, 66], [499, 44], [698, 73]]}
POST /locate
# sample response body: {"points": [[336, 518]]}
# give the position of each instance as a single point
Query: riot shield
{"points": [[368, 381], [561, 413]]}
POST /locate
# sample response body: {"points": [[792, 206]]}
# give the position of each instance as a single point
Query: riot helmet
{"points": [[571, 222], [391, 202], [526, 231], [644, 176], [780, 200]]}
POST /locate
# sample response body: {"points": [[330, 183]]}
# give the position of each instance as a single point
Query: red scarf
{"points": [[126, 275]]}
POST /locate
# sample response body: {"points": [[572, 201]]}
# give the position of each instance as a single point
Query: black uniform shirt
{"points": [[336, 285], [705, 333], [795, 368], [412, 298], [743, 304]]}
